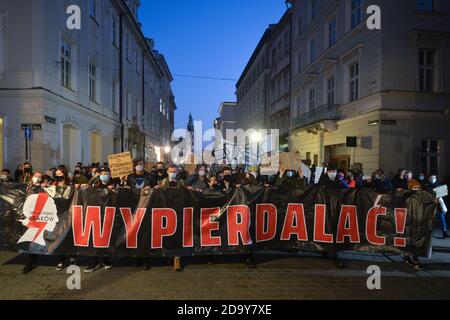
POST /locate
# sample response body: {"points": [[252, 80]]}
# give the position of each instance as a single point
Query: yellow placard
{"points": [[120, 164]]}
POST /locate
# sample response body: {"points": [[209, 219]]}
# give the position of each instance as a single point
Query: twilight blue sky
{"points": [[213, 38]]}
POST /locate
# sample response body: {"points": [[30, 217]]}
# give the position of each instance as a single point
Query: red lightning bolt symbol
{"points": [[34, 223]]}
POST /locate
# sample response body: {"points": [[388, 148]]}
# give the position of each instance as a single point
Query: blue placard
{"points": [[28, 133]]}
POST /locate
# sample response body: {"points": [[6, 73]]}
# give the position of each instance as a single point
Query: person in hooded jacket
{"points": [[442, 212]]}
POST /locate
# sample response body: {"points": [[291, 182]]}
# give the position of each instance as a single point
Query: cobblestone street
{"points": [[278, 276]]}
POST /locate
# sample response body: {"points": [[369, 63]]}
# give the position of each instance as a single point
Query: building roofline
{"points": [[255, 53], [271, 29]]}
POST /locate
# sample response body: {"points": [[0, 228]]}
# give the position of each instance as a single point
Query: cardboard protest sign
{"points": [[284, 161], [295, 160], [441, 191], [318, 174], [268, 168], [120, 164], [306, 171]]}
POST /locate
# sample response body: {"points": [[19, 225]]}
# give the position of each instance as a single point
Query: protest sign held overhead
{"points": [[120, 164]]}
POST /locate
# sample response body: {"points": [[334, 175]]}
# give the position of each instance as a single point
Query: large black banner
{"points": [[179, 222]]}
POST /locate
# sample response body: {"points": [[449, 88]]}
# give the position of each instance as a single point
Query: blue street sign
{"points": [[28, 133]]}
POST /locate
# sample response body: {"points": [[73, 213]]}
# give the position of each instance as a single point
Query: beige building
{"points": [[372, 98], [87, 93]]}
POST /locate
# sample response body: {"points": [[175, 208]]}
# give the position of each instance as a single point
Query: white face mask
{"points": [[3, 177], [255, 174], [36, 180], [433, 180], [332, 175]]}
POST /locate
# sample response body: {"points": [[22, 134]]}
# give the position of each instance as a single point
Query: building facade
{"points": [[86, 93], [372, 98], [226, 122]]}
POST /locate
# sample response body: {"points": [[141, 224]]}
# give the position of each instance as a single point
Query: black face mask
{"points": [[227, 178], [27, 170], [59, 178], [76, 173]]}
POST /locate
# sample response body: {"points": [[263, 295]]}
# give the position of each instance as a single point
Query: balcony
{"points": [[326, 114]]}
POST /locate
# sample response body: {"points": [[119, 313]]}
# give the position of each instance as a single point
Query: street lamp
{"points": [[256, 137], [167, 149]]}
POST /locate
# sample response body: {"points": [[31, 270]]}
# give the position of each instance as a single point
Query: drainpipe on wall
{"points": [[122, 126], [143, 99]]}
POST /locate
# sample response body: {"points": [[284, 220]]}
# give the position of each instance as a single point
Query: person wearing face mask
{"points": [[226, 183], [331, 179], [78, 178], [198, 181], [27, 173], [104, 180], [422, 179], [171, 182], [140, 179], [61, 182], [161, 172], [61, 179], [213, 187], [382, 184], [36, 180], [5, 176]]}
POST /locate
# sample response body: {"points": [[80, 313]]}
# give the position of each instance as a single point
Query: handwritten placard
{"points": [[441, 191], [120, 164], [268, 166]]}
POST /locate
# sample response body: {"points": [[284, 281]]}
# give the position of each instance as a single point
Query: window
{"points": [[313, 49], [354, 82], [93, 9], [114, 103], [299, 106], [138, 109], [299, 63], [128, 111], [425, 5], [356, 8], [299, 26], [426, 70], [314, 8], [430, 156], [114, 31], [287, 42], [312, 99], [128, 48], [92, 82], [66, 64], [330, 91], [138, 62], [332, 32]]}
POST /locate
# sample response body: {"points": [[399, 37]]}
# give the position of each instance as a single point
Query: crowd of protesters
{"points": [[212, 179]]}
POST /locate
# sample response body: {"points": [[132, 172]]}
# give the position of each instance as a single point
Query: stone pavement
{"points": [[278, 276]]}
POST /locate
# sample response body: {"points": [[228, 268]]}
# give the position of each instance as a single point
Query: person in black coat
{"points": [[399, 182], [381, 183]]}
